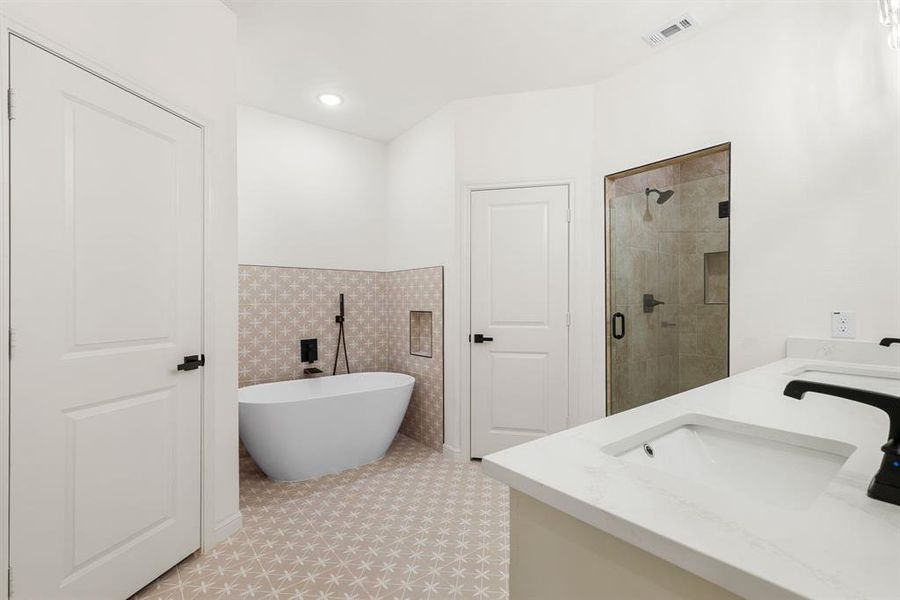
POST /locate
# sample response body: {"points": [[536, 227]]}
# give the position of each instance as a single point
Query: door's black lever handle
{"points": [[480, 339], [192, 362], [886, 342]]}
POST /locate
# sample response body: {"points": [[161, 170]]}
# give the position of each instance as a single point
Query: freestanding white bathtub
{"points": [[302, 429]]}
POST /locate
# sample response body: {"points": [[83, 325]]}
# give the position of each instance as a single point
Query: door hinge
{"points": [[9, 586], [568, 319], [10, 104], [12, 341], [568, 215]]}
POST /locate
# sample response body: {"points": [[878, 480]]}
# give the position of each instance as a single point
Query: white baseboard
{"points": [[454, 453], [225, 528]]}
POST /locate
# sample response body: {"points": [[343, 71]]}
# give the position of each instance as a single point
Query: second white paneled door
{"points": [[106, 196], [519, 315]]}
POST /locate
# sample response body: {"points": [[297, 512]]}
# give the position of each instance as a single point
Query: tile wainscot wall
{"points": [[279, 306]]}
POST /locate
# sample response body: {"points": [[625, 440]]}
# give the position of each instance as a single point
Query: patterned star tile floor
{"points": [[413, 525]]}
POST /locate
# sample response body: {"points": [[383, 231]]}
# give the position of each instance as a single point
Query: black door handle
{"points": [[480, 339], [192, 362], [621, 319]]}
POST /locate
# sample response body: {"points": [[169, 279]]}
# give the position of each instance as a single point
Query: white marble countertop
{"points": [[844, 546]]}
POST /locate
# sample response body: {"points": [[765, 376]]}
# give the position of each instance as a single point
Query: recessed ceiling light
{"points": [[330, 99]]}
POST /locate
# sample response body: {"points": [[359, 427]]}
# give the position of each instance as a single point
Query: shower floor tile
{"points": [[413, 525]]}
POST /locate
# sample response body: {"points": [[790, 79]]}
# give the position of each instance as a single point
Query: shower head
{"points": [[663, 195]]}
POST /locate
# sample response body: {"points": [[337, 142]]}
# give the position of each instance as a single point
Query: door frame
{"points": [[607, 272], [208, 527], [465, 296]]}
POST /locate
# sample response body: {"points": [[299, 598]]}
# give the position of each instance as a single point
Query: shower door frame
{"points": [[607, 279]]}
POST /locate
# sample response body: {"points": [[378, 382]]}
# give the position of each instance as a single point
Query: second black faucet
{"points": [[885, 485]]}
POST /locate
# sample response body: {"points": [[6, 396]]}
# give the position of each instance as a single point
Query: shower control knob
{"points": [[650, 303]]}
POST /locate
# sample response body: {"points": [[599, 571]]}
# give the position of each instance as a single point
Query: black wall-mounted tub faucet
{"points": [[309, 350], [885, 486], [886, 342]]}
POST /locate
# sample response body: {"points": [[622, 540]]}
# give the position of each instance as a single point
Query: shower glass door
{"points": [[667, 277]]}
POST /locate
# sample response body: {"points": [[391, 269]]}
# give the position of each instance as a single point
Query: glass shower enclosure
{"points": [[667, 277]]}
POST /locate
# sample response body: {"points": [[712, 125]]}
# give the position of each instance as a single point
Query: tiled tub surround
{"points": [[420, 290], [683, 343], [279, 306]]}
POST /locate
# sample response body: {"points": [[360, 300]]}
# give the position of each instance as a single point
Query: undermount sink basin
{"points": [[779, 467]]}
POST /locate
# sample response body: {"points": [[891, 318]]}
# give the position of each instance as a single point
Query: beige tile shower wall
{"points": [[703, 327], [644, 363], [660, 249], [279, 306]]}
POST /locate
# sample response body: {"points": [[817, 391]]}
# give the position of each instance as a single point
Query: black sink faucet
{"points": [[886, 342], [885, 486]]}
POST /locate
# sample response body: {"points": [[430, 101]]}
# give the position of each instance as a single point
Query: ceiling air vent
{"points": [[658, 36]]}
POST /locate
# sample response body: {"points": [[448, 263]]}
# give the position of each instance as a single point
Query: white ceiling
{"points": [[396, 62]]}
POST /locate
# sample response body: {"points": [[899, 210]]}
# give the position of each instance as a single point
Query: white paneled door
{"points": [[519, 313], [106, 262]]}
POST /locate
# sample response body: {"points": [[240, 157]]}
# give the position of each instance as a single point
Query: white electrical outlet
{"points": [[843, 324]]}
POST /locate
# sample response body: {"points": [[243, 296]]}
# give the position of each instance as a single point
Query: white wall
{"points": [[421, 194], [420, 229], [308, 196], [183, 53], [535, 136], [808, 95]]}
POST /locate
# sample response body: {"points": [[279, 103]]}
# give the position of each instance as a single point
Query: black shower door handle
{"points": [[620, 318]]}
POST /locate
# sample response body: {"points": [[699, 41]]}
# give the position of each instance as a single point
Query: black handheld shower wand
{"points": [[339, 319]]}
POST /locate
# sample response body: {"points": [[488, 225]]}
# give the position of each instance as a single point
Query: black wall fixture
{"points": [[339, 319], [724, 209], [309, 350]]}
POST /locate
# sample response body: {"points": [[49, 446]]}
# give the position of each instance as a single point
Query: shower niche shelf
{"points": [[715, 278]]}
